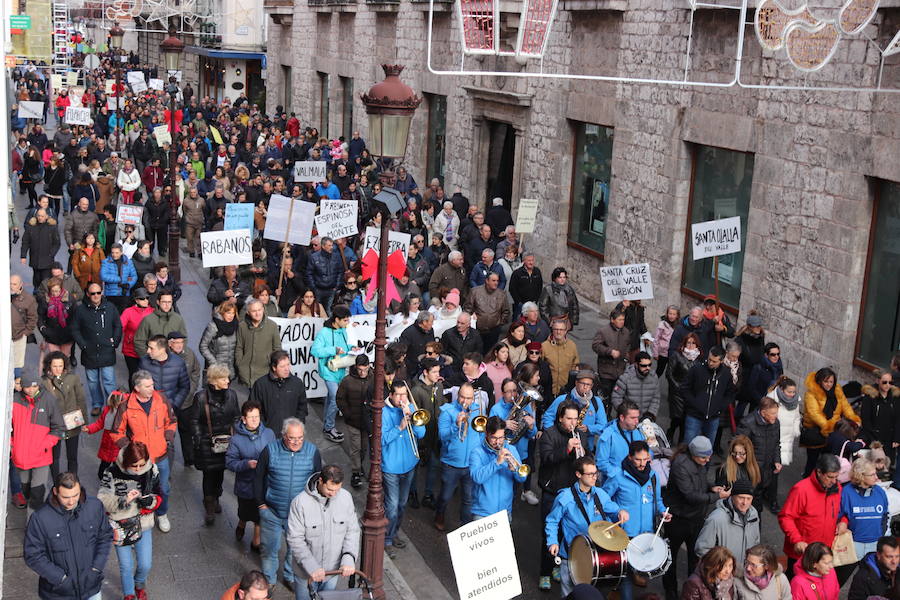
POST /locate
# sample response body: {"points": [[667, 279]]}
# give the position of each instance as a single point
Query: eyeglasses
{"points": [[497, 438], [351, 283], [591, 474], [774, 353], [887, 381], [535, 352], [737, 453], [95, 293], [430, 352], [644, 365]]}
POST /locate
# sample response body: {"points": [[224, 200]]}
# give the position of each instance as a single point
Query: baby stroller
{"points": [[659, 446], [356, 592]]}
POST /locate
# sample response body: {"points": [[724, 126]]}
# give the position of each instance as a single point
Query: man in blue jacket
{"points": [[323, 272], [399, 457], [594, 421], [458, 438], [612, 447], [575, 508], [170, 376], [495, 470], [67, 542]]}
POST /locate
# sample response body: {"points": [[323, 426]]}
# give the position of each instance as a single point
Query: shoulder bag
{"points": [[218, 443]]}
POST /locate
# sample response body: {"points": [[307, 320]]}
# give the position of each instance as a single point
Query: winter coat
{"points": [[192, 210], [456, 347], [704, 330], [324, 270], [68, 549], [607, 339], [562, 358], [524, 286], [129, 182], [131, 318], [814, 407], [323, 533], [280, 399], [118, 276], [69, 395], [282, 474], [98, 331], [872, 579], [117, 482], [725, 526], [696, 589], [558, 301], [448, 226], [156, 214], [880, 416], [557, 463], [643, 391], [805, 586], [661, 339], [491, 308], [707, 393], [450, 277], [415, 337], [37, 425], [789, 427], [759, 379], [50, 328], [41, 240], [142, 266], [766, 440], [354, 393], [24, 315], [481, 271], [86, 267], [324, 348], [643, 502], [158, 322], [78, 223], [779, 588], [215, 348], [419, 270], [108, 450], [253, 346], [170, 377], [493, 485], [156, 429], [687, 491], [810, 514], [223, 412], [217, 289], [244, 447]]}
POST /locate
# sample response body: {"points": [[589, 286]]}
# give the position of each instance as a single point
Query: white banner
{"points": [[484, 559], [299, 230], [221, 248], [129, 214], [139, 86], [716, 238], [337, 218], [396, 241], [72, 78], [31, 110], [309, 170], [626, 282], [135, 77], [111, 103], [527, 215], [156, 84], [297, 336], [162, 135], [78, 116]]}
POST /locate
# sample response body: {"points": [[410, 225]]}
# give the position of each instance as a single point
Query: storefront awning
{"points": [[234, 54]]}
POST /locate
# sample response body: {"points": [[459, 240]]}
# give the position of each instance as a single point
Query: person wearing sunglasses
{"points": [[761, 377], [879, 413], [635, 384]]}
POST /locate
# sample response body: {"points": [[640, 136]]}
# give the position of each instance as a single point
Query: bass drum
{"points": [[649, 555], [589, 564]]}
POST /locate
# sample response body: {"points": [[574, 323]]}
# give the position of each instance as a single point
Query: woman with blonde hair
{"points": [[740, 464], [865, 505]]}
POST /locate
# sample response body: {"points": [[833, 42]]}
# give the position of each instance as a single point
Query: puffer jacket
{"points": [[607, 339], [353, 394], [97, 331], [643, 391], [324, 270], [170, 377], [805, 586], [156, 428], [69, 395], [324, 348], [131, 318], [223, 412], [779, 588], [323, 533], [253, 346], [78, 223], [118, 276], [86, 267], [282, 474], [37, 425], [676, 374], [725, 526], [557, 301], [766, 440], [280, 399], [814, 406], [789, 425], [687, 492], [117, 482], [158, 322], [129, 182], [246, 445], [215, 348]]}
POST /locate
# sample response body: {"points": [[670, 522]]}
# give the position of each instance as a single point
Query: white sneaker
{"points": [[162, 521], [530, 498]]}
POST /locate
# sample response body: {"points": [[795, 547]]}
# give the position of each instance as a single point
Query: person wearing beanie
{"points": [[690, 497], [734, 524]]}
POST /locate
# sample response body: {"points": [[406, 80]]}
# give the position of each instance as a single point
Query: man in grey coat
{"points": [[734, 524], [636, 384], [323, 531]]}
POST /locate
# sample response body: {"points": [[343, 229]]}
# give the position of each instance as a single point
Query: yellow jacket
{"points": [[814, 406]]}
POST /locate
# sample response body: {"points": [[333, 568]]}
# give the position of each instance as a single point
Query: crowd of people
{"points": [[486, 393]]}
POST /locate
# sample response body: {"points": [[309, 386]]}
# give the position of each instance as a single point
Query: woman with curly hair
{"points": [[714, 577]]}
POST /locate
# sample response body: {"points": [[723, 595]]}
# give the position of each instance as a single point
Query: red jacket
{"points": [[809, 587], [108, 451], [36, 427], [809, 515], [152, 177], [131, 317], [62, 102]]}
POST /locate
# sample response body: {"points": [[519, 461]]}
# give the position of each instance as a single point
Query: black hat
{"points": [[175, 335], [28, 379], [141, 293], [741, 487]]}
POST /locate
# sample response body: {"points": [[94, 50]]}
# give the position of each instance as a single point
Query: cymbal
{"points": [[608, 536]]}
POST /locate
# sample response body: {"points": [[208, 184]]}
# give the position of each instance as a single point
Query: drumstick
{"points": [[619, 522], [656, 535]]}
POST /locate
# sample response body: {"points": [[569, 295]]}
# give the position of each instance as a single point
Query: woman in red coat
{"points": [[814, 575], [62, 102], [131, 318]]}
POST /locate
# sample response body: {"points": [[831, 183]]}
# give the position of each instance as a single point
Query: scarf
{"points": [[761, 582], [372, 304], [830, 403], [642, 477], [225, 328], [516, 343], [691, 354], [734, 366], [788, 403], [723, 589], [56, 309]]}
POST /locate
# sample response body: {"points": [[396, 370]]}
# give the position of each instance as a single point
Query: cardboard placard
{"points": [[56, 81], [31, 110], [138, 87], [337, 218], [78, 116], [129, 214], [135, 77], [527, 215], [299, 229], [397, 240], [108, 86], [484, 559], [222, 248], [310, 171], [156, 84], [114, 103], [238, 216], [627, 282], [716, 238], [162, 135], [72, 78], [297, 336]]}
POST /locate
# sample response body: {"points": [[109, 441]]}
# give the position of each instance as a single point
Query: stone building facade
{"points": [[806, 170]]}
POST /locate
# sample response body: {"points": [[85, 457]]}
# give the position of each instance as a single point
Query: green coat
{"points": [[68, 393], [157, 323], [253, 347]]}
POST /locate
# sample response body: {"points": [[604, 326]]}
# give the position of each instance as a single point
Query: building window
{"points": [[879, 328], [721, 187], [347, 101], [323, 104], [437, 136], [287, 81], [590, 186]]}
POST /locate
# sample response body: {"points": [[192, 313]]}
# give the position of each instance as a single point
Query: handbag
{"points": [[846, 465], [811, 437], [126, 532], [219, 443], [844, 549]]}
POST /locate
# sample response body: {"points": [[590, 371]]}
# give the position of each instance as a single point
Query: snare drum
{"points": [[649, 555], [589, 564]]}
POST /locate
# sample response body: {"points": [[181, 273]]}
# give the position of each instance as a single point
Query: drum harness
{"points": [[580, 504]]}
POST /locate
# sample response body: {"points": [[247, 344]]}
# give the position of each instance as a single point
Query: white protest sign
{"points": [[156, 84], [135, 77], [56, 81], [627, 282], [176, 74], [716, 238], [72, 78], [527, 215], [129, 214], [138, 86], [396, 241], [114, 103], [238, 216], [31, 110], [337, 218], [361, 333], [484, 559], [299, 230], [78, 116], [297, 336], [108, 86], [221, 248], [309, 170], [162, 135]]}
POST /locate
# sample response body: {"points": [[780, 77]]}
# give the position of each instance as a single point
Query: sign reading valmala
{"points": [[715, 238], [484, 559], [309, 170], [297, 336], [627, 282], [221, 248]]}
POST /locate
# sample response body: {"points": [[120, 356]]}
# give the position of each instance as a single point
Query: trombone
{"points": [[419, 418], [479, 423], [521, 469]]}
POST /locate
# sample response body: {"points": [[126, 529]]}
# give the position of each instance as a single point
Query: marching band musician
{"points": [[636, 489], [495, 467], [575, 508], [594, 421], [458, 438], [504, 409], [399, 459], [428, 392], [612, 448], [558, 448]]}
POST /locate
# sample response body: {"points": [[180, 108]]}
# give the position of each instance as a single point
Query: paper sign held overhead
{"points": [[309, 171], [238, 216], [297, 336], [337, 218], [397, 240], [31, 110], [138, 86], [129, 214], [78, 116], [135, 77], [527, 215], [72, 78], [162, 135], [716, 238], [626, 282], [156, 84], [297, 229], [221, 248], [484, 559], [56, 81]]}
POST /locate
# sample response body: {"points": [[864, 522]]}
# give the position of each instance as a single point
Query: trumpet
{"points": [[579, 450], [479, 424], [419, 417], [521, 469]]}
